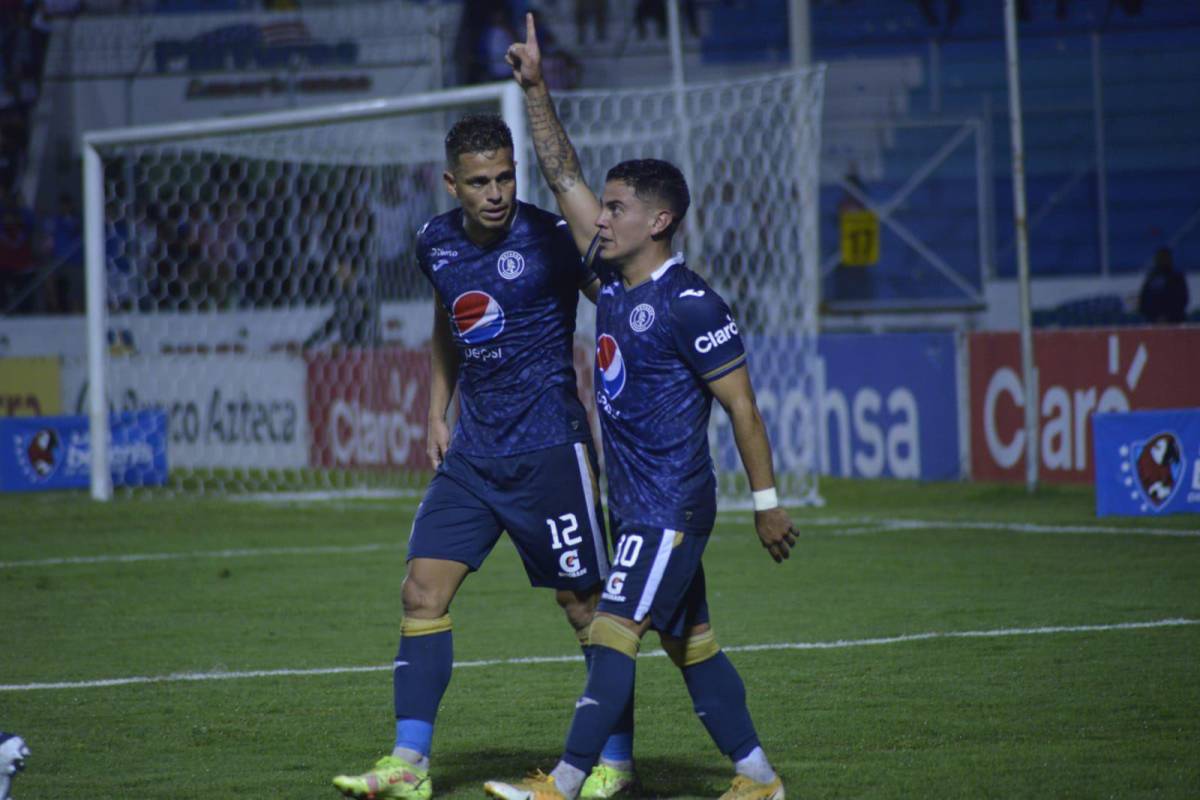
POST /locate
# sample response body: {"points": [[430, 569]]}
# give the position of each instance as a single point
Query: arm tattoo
{"points": [[560, 164]]}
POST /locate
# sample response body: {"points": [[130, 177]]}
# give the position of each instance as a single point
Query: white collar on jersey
{"points": [[666, 265]]}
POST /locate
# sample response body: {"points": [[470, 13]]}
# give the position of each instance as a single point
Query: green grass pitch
{"points": [[866, 705]]}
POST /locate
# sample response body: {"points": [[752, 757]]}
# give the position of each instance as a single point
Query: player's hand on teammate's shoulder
{"points": [[776, 532], [525, 58]]}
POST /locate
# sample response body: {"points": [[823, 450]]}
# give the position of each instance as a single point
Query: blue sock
{"points": [[414, 734], [719, 697], [419, 679], [609, 691], [619, 746]]}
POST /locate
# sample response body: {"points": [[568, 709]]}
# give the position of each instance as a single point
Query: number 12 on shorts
{"points": [[563, 538]]}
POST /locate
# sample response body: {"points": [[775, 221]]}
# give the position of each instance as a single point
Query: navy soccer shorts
{"points": [[657, 572], [546, 500]]}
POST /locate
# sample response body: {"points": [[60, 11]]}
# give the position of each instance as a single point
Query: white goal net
{"points": [[254, 303]]}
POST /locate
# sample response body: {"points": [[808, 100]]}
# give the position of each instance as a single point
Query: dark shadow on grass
{"points": [[661, 777]]}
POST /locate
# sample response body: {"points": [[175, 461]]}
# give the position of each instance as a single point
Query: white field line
{"points": [[326, 496], [249, 552], [861, 525], [847, 526], [497, 662]]}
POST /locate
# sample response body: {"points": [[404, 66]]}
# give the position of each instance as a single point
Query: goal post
{"points": [[252, 277], [219, 136]]}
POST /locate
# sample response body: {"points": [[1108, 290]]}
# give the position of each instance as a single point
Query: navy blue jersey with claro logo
{"points": [[658, 345], [511, 306]]}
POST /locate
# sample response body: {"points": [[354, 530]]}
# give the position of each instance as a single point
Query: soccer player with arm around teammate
{"points": [[506, 277], [666, 345]]}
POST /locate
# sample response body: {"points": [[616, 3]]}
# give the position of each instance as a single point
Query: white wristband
{"points": [[766, 499]]}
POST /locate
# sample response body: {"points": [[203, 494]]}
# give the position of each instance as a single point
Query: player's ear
{"points": [[660, 222], [451, 184]]}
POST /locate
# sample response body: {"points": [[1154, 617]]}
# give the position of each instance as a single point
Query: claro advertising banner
{"points": [[368, 408], [1080, 373]]}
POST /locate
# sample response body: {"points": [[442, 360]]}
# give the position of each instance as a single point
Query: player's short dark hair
{"points": [[476, 133], [655, 179]]}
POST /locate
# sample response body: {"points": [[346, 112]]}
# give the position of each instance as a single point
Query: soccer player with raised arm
{"points": [[666, 345], [506, 277]]}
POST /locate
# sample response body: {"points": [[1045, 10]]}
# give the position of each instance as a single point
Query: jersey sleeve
{"points": [[565, 252], [705, 333], [422, 252]]}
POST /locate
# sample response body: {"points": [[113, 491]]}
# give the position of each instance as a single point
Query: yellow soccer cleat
{"points": [[536, 786], [607, 781], [391, 779], [745, 788]]}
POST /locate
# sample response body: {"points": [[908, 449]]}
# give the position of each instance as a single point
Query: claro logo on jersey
{"points": [[611, 365], [479, 318], [711, 340]]}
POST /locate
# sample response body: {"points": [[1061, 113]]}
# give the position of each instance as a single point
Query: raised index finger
{"points": [[530, 30]]}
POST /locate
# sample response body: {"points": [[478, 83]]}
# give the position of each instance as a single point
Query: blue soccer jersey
{"points": [[658, 345], [512, 314]]}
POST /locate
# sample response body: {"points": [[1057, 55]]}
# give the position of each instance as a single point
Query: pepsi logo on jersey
{"points": [[611, 365], [478, 318], [710, 340]]}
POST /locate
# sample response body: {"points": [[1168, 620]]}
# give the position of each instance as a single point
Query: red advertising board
{"points": [[1079, 373], [367, 408]]}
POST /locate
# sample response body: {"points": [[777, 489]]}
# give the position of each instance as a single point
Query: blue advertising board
{"points": [[889, 404], [39, 453], [1147, 462]]}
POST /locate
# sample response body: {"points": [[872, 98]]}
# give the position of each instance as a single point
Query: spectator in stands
{"points": [[482, 23], [62, 247], [656, 11], [1164, 295], [930, 12], [355, 309], [560, 69], [497, 35], [62, 8], [10, 160], [118, 265], [16, 260], [588, 11]]}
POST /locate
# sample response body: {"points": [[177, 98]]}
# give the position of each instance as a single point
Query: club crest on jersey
{"points": [[611, 365], [478, 316], [510, 265], [641, 318]]}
